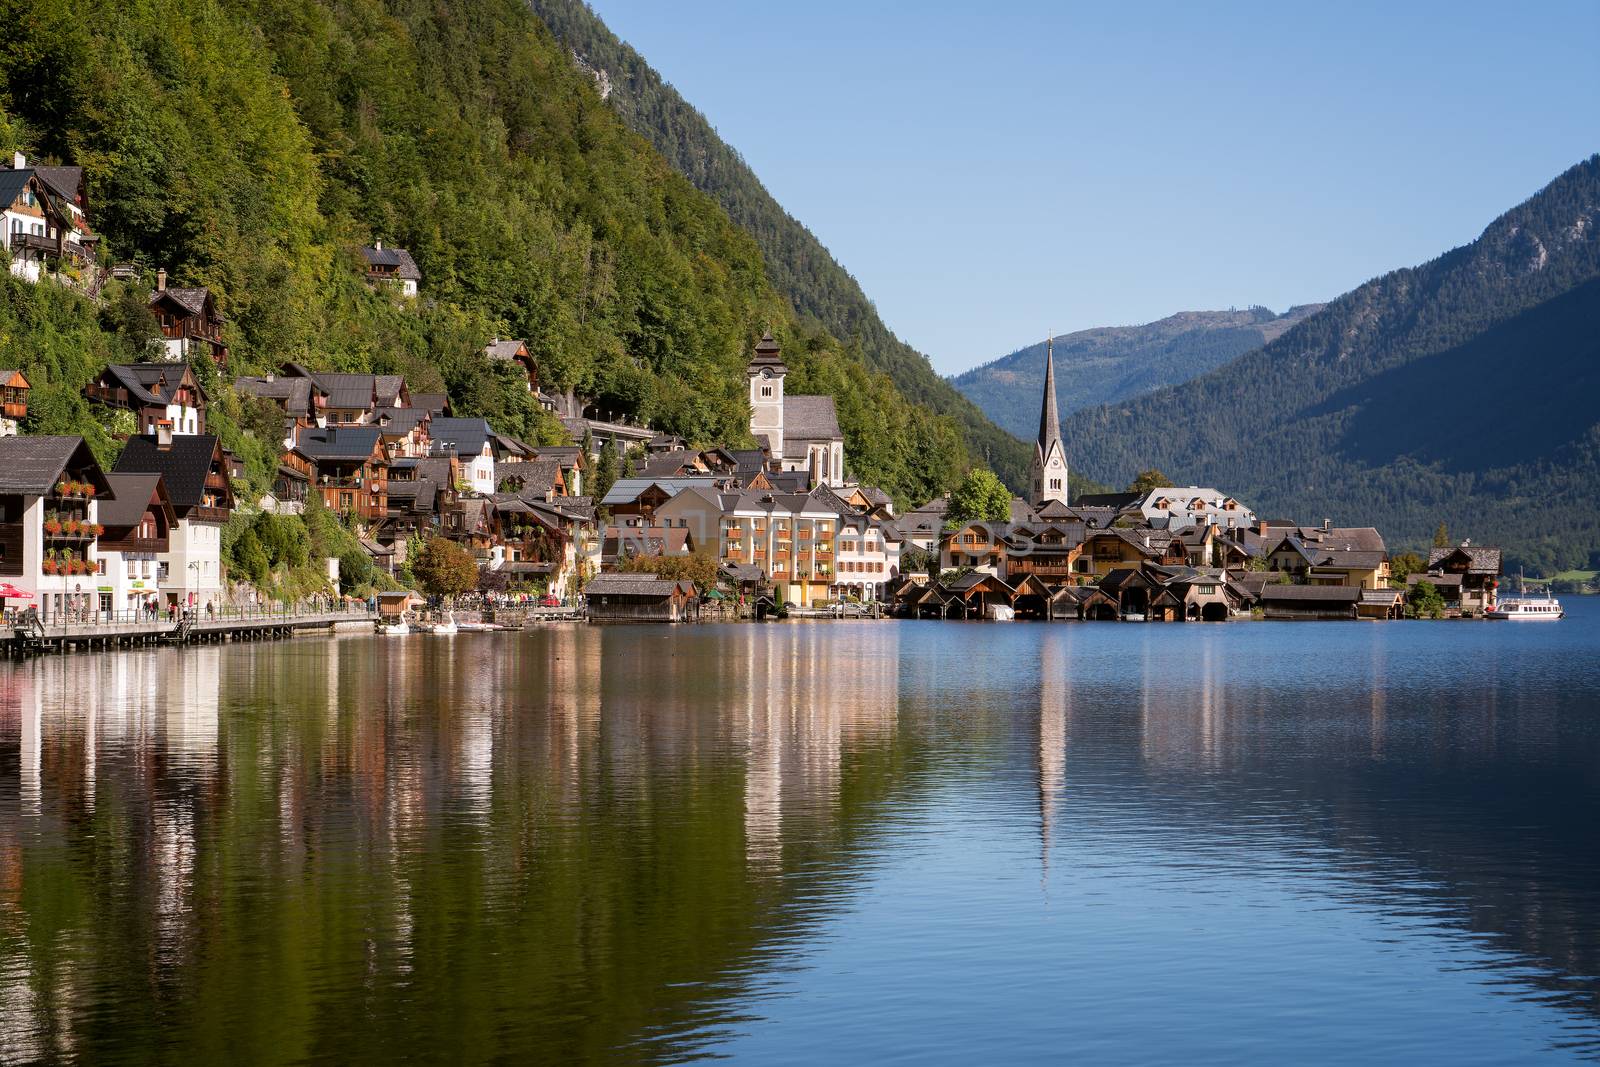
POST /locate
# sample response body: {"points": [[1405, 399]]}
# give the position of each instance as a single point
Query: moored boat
{"points": [[1527, 609], [447, 626]]}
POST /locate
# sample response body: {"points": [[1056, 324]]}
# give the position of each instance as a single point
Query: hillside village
{"points": [[370, 475]]}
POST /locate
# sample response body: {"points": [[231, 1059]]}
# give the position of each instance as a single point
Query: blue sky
{"points": [[993, 171]]}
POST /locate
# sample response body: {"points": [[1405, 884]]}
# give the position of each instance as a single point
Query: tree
{"points": [[605, 471], [697, 567], [1426, 603], [1441, 536], [981, 497], [915, 560], [445, 569], [1148, 480], [1406, 563]]}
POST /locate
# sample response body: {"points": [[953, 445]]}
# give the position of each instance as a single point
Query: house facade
{"points": [[14, 390], [196, 476], [155, 393], [50, 493], [391, 268], [189, 321], [138, 522]]}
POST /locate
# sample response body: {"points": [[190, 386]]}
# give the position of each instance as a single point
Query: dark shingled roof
{"points": [[398, 258], [810, 418], [466, 437], [537, 475], [63, 181], [184, 464], [1480, 560], [1329, 594], [337, 442], [191, 300], [131, 494], [397, 422], [32, 464], [350, 391], [434, 402], [139, 379], [293, 393], [12, 182], [630, 585]]}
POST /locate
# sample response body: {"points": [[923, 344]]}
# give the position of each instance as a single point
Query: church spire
{"points": [[1049, 421], [1048, 474]]}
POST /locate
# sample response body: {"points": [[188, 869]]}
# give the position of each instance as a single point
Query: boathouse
{"points": [[640, 598]]}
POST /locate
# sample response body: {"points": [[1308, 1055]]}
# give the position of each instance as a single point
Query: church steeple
{"points": [[1049, 468]]}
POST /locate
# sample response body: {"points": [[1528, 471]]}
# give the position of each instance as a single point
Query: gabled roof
{"points": [[192, 301], [432, 402], [32, 464], [398, 258], [318, 443], [506, 350], [1479, 560], [12, 182], [810, 418], [398, 422], [634, 585], [1326, 594], [184, 465], [464, 437], [767, 353], [295, 394], [10, 377], [142, 379], [131, 495], [350, 391]]}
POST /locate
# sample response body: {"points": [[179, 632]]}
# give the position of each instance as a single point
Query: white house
{"points": [[195, 474], [470, 442], [50, 493], [1179, 507], [869, 556], [138, 521]]}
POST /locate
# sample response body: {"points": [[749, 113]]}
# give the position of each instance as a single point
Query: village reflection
{"points": [[593, 835]]}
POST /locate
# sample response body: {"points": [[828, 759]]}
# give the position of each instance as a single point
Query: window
{"points": [[1055, 484], [766, 390]]}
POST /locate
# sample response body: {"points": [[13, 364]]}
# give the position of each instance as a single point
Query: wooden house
{"points": [[515, 353], [640, 598], [391, 268], [1476, 570], [347, 465], [155, 393], [14, 390], [189, 321]]}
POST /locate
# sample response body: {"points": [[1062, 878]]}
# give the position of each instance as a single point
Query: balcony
{"points": [[209, 514]]}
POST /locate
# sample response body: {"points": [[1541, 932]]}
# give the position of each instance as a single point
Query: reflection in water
{"points": [[652, 843]]}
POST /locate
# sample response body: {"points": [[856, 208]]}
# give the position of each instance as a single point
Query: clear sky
{"points": [[993, 171]]}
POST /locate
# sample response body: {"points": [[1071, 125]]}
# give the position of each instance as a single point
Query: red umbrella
{"points": [[11, 592]]}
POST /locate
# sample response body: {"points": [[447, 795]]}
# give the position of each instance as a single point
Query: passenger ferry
{"points": [[1523, 608]]}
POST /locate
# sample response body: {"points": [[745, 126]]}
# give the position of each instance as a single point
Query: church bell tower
{"points": [[1048, 473]]}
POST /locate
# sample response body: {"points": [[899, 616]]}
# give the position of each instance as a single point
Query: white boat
{"points": [[448, 627], [1524, 608], [1527, 609], [1002, 613], [395, 629]]}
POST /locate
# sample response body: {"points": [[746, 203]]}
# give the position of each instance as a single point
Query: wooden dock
{"points": [[28, 636]]}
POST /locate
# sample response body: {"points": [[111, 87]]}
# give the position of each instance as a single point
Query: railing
{"points": [[84, 621]]}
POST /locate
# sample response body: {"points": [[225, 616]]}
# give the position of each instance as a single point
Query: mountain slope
{"points": [[252, 145], [1461, 390], [799, 265], [1113, 363]]}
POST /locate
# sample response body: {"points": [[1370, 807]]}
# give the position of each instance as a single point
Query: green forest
{"points": [[1459, 391], [803, 270], [253, 145]]}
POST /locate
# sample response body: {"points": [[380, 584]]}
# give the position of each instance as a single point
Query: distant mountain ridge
{"points": [[797, 262], [1112, 363], [1463, 390]]}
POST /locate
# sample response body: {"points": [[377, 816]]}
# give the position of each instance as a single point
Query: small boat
{"points": [[474, 627], [448, 627], [400, 628], [1524, 608], [1001, 613]]}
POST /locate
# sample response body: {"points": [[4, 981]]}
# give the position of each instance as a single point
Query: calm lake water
{"points": [[811, 843]]}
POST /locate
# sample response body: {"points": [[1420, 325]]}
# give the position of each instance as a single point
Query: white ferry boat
{"points": [[1527, 609]]}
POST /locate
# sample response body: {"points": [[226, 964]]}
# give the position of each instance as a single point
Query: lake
{"points": [[832, 842]]}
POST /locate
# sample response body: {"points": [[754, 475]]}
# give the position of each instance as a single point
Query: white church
{"points": [[801, 432], [1047, 474]]}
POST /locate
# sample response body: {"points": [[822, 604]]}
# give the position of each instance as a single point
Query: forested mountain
{"points": [[253, 145], [1112, 363], [799, 265], [1463, 390]]}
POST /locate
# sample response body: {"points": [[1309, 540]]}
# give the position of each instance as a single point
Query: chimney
{"points": [[1327, 525], [18, 161], [161, 280], [377, 246], [164, 435], [271, 377]]}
